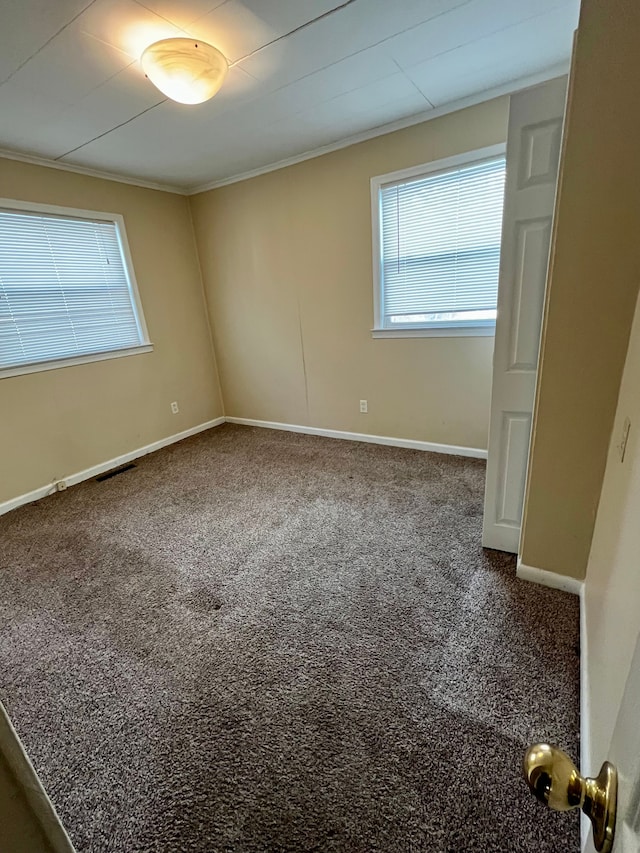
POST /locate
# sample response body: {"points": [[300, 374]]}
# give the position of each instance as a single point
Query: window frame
{"points": [[476, 328], [117, 219]]}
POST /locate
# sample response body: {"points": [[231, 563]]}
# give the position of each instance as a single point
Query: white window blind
{"points": [[65, 290], [440, 247]]}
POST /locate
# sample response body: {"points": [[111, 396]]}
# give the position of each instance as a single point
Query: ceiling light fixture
{"points": [[185, 70]]}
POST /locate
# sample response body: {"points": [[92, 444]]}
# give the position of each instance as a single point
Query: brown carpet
{"points": [[261, 641]]}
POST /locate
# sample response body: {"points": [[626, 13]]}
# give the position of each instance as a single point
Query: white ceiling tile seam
{"points": [[413, 83], [173, 23], [107, 132], [185, 30], [291, 32], [343, 59], [350, 55], [48, 41], [95, 89], [493, 33]]}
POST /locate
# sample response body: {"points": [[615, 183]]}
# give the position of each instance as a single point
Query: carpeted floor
{"points": [[259, 641]]}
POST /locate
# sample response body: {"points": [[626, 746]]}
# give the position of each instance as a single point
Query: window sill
{"points": [[37, 366], [436, 332]]}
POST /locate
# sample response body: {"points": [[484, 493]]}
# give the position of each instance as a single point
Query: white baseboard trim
{"points": [[39, 803], [95, 470], [551, 579], [408, 443]]}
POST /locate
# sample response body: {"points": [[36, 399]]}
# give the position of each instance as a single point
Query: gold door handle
{"points": [[555, 781]]}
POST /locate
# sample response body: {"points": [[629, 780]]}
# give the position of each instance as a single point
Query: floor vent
{"points": [[114, 472]]}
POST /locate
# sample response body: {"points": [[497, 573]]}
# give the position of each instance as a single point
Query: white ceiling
{"points": [[72, 90]]}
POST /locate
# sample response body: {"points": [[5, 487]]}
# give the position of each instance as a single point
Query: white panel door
{"points": [[624, 754], [533, 154]]}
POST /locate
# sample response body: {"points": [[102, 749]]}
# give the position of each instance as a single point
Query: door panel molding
{"points": [[533, 239], [540, 146], [514, 449]]}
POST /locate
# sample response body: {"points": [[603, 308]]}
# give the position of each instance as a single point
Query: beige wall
{"points": [[59, 422], [612, 590], [594, 281], [287, 265]]}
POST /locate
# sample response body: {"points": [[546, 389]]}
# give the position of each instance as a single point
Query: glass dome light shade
{"points": [[186, 70]]}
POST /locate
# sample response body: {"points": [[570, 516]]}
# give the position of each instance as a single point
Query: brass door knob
{"points": [[555, 781]]}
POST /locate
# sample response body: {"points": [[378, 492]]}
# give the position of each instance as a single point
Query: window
{"points": [[67, 291], [437, 233]]}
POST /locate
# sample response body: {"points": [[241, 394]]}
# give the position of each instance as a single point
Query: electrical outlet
{"points": [[363, 407], [174, 408], [624, 439]]}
